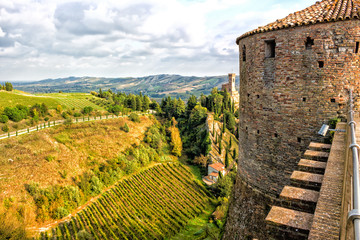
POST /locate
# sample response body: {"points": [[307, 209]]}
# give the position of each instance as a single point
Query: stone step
{"points": [[319, 146], [306, 180], [316, 155], [307, 165], [299, 199], [288, 224]]}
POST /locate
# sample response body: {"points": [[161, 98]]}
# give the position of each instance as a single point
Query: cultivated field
{"points": [[52, 100], [153, 204]]}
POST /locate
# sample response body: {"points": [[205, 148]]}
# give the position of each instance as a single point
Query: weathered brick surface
{"points": [[307, 165], [284, 100], [326, 222], [282, 112]]}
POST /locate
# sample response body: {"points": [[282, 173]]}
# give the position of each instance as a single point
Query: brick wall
{"points": [[284, 100]]}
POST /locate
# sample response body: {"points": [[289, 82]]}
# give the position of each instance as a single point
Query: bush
{"points": [[61, 212], [134, 117], [64, 115], [5, 128], [125, 128], [46, 119], [87, 110], [49, 158], [77, 114], [84, 235], [4, 118]]}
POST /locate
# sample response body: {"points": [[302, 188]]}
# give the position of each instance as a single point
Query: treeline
{"points": [[121, 102], [7, 86]]}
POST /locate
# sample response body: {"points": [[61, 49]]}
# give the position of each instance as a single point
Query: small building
{"points": [[216, 167], [213, 173]]}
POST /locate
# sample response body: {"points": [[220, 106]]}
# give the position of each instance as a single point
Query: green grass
{"points": [[11, 99], [67, 100], [195, 229]]}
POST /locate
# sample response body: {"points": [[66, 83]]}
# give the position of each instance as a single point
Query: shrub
{"points": [[87, 110], [84, 235], [77, 114], [64, 115], [46, 119], [134, 117], [61, 212], [4, 118], [5, 128], [125, 128], [49, 158]]}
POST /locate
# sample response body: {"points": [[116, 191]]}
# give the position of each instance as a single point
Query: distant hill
{"points": [[156, 86]]}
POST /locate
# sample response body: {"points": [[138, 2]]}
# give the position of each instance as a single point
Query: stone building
{"points": [[230, 88], [294, 76]]}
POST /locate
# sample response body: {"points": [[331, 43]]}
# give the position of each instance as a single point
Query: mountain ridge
{"points": [[156, 86]]}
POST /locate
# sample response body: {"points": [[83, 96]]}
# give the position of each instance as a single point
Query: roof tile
{"points": [[323, 11]]}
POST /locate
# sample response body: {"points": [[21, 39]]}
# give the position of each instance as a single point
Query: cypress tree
{"points": [[227, 158], [220, 146], [224, 126]]}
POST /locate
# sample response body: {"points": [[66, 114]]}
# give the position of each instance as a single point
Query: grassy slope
{"points": [[67, 100], [73, 147]]}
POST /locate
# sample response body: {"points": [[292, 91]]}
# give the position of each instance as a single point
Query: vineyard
{"points": [[153, 204]]}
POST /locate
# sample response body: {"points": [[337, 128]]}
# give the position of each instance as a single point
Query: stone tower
{"points": [[230, 88], [294, 76]]}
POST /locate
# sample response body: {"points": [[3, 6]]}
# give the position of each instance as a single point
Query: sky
{"points": [[42, 39]]}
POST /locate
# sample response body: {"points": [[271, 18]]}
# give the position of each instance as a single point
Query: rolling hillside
{"points": [[67, 100], [153, 204], [156, 86]]}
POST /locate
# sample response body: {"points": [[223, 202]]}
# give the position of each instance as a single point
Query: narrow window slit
{"points": [[244, 53], [321, 64], [309, 43], [270, 48], [357, 47]]}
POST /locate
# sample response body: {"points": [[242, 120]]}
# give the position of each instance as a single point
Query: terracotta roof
{"points": [[323, 11], [217, 166], [215, 174]]}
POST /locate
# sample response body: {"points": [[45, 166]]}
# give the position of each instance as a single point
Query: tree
{"points": [[58, 109], [8, 86], [101, 93], [220, 146], [224, 126], [192, 102], [138, 103], [4, 118], [206, 144], [87, 110], [229, 118], [197, 116], [146, 103], [176, 142], [201, 160], [227, 158], [234, 154], [179, 108]]}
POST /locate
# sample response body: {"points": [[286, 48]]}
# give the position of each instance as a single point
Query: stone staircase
{"points": [[293, 218]]}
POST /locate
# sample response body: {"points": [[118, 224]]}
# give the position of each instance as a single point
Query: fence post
{"points": [[16, 132], [28, 130]]}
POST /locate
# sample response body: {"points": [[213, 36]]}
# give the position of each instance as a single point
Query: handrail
{"points": [[354, 214]]}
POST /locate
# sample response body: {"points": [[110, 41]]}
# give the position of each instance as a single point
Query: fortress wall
{"points": [[283, 103], [284, 100]]}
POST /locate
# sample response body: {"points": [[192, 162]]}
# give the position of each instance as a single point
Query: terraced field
{"points": [[153, 204]]}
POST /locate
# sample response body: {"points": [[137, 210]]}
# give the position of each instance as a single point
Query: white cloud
{"points": [[53, 38]]}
